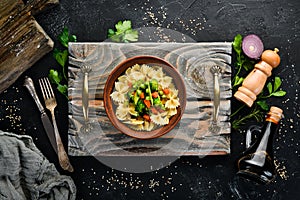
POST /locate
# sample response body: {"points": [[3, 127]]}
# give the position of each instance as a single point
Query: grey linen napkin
{"points": [[25, 173]]}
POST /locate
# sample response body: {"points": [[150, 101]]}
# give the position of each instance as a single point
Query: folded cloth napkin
{"points": [[25, 173]]}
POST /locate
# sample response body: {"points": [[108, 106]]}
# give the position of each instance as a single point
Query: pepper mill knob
{"points": [[255, 81]]}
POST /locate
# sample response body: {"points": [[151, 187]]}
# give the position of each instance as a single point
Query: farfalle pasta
{"points": [[145, 97]]}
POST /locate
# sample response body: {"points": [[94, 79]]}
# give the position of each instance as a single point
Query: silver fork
{"points": [[50, 103]]}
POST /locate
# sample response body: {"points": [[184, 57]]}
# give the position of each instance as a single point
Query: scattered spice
{"points": [[10, 116], [281, 170]]}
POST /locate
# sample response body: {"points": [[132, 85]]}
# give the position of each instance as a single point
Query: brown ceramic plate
{"points": [[119, 70]]}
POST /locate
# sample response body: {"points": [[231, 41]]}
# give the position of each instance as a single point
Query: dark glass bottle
{"points": [[257, 162]]}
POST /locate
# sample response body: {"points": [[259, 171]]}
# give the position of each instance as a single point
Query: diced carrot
{"points": [[166, 91], [147, 103], [129, 84], [154, 94], [142, 95], [146, 117]]}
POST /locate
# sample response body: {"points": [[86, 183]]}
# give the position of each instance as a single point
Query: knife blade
{"points": [[49, 130], [28, 83]]}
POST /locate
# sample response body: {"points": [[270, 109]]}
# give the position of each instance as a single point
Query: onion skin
{"points": [[252, 46]]}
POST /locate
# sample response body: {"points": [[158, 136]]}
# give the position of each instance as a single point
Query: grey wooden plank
{"points": [[193, 61]]}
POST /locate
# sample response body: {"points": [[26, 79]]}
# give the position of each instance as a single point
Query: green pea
{"points": [[138, 91], [142, 86]]}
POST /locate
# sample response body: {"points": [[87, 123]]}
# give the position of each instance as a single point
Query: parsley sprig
{"points": [[123, 32], [272, 89], [242, 62], [61, 56]]}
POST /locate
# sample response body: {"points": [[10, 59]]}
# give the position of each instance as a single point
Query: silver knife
{"points": [[28, 83]]}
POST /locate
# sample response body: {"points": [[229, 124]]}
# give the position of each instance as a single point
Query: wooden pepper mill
{"points": [[255, 81]]}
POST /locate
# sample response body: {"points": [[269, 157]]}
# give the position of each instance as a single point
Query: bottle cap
{"points": [[275, 109], [275, 114]]}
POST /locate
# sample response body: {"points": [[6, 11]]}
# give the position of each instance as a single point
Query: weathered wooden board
{"points": [[190, 137], [22, 40]]}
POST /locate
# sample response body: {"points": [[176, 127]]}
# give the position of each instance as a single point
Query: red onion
{"points": [[252, 46]]}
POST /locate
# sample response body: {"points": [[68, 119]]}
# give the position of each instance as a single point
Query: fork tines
{"points": [[46, 88]]}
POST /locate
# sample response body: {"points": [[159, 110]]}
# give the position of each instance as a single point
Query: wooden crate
{"points": [[22, 39]]}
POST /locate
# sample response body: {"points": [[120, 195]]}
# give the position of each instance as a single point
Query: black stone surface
{"points": [[275, 21]]}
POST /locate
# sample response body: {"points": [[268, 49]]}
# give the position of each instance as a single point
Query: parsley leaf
{"points": [[56, 78], [270, 88], [278, 93], [123, 32], [237, 44], [61, 57], [122, 27], [237, 81], [110, 33], [63, 89], [130, 35], [263, 104], [64, 37], [277, 83]]}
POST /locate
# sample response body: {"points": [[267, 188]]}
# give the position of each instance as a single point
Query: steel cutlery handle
{"points": [[28, 83], [85, 69], [62, 155], [85, 97], [216, 70]]}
